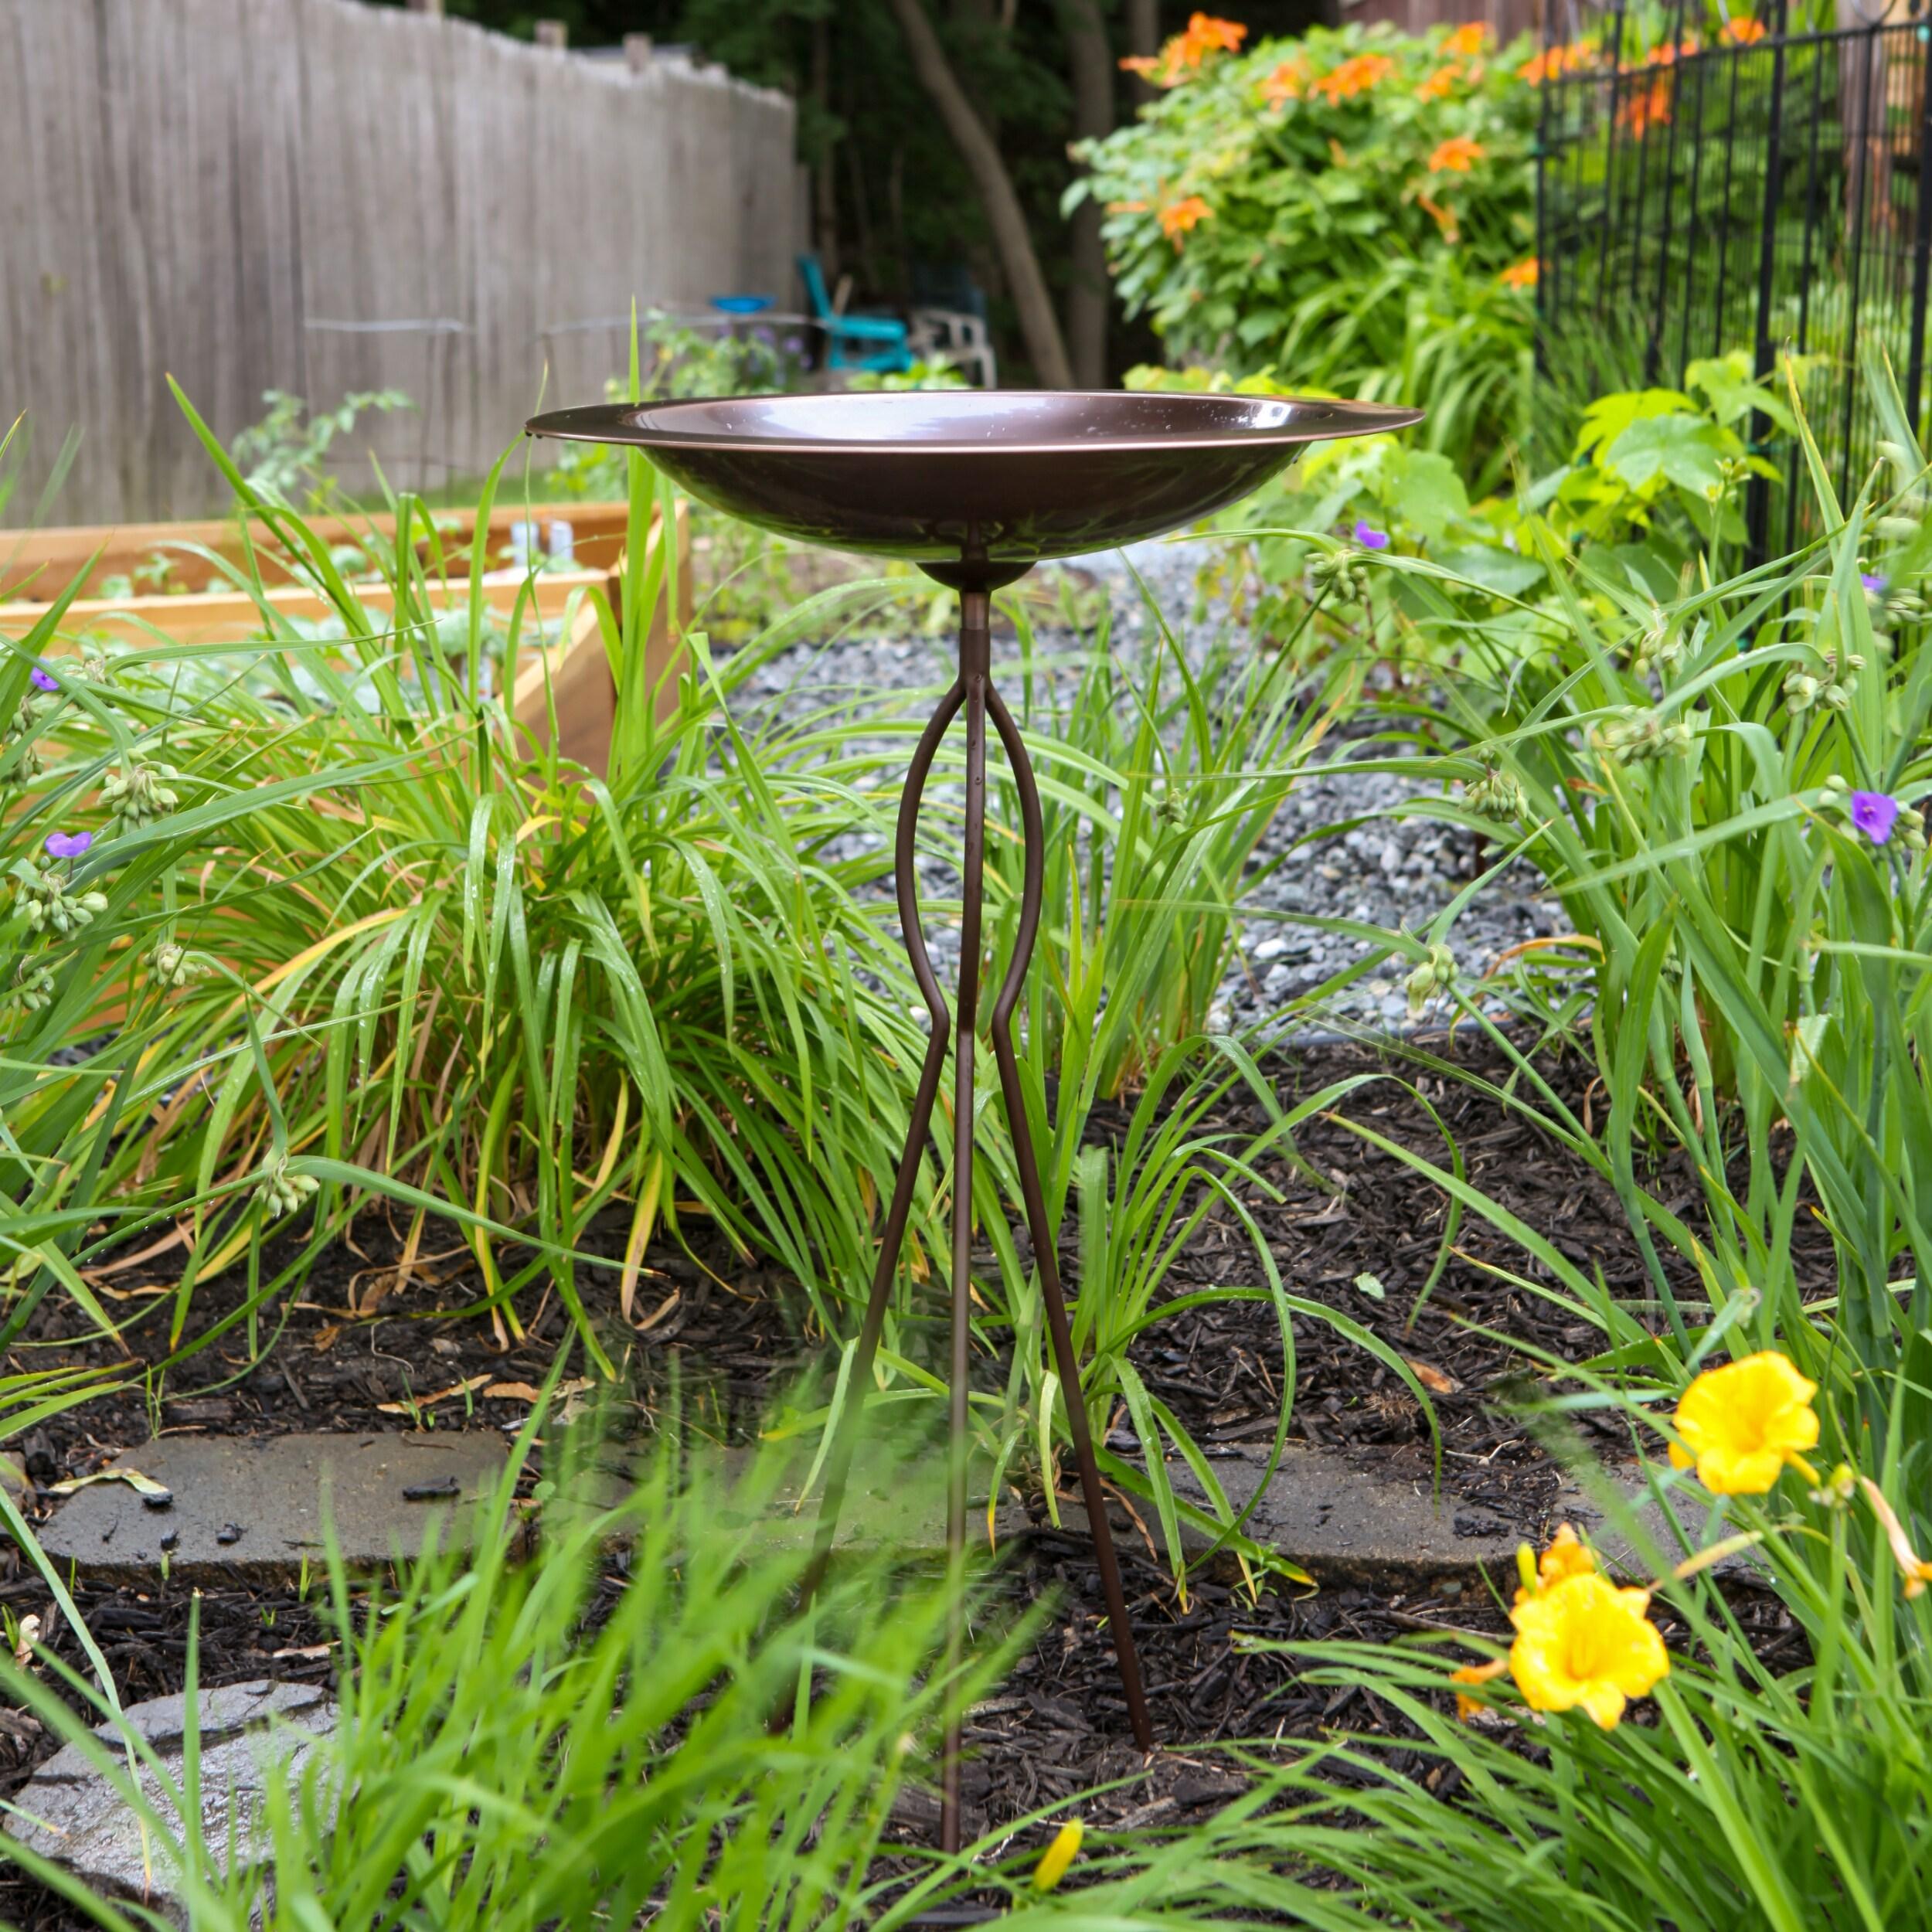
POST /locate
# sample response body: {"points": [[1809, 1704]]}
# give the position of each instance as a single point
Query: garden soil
{"points": [[718, 1341]]}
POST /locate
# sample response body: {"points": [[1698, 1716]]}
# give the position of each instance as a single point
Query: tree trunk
{"points": [[1090, 62], [1143, 40], [1039, 327], [825, 181]]}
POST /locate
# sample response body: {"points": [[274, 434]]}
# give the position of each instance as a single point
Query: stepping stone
{"points": [[1344, 1526], [71, 1811], [252, 1506], [892, 1500], [1630, 1547]]}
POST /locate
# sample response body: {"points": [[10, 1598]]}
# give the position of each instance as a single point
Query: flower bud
{"points": [[1336, 573], [1436, 973], [33, 987], [1496, 794], [1634, 736], [136, 795], [172, 966], [282, 1192], [1837, 1489]]}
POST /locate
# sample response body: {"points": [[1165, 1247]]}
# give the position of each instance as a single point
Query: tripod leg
{"points": [[846, 1432], [1044, 1255]]}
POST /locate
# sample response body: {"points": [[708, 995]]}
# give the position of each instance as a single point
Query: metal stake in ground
{"points": [[975, 487]]}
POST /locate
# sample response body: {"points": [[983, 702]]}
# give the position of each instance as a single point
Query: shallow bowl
{"points": [[973, 486]]}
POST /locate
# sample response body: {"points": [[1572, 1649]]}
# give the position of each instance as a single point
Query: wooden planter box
{"points": [[37, 565]]}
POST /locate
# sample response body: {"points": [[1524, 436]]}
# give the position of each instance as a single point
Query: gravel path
{"points": [[1386, 873]]}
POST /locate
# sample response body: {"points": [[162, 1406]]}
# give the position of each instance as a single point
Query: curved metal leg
{"points": [[1046, 1256], [972, 693], [906, 878]]}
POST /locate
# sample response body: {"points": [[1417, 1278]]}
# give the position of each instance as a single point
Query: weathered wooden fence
{"points": [[1504, 18], [319, 197]]}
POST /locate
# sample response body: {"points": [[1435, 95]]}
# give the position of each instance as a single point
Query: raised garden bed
{"points": [[202, 605]]}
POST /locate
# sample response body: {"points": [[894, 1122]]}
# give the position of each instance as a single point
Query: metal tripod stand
{"points": [[972, 692]]}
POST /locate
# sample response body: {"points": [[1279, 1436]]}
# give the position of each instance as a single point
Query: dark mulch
{"points": [[357, 1351]]}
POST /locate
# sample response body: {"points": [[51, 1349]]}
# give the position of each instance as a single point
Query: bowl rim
{"points": [[619, 423]]}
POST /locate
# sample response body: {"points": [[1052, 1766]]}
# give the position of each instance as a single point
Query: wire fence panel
{"points": [[1764, 193]]}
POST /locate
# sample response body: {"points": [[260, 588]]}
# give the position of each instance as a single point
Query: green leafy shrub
{"points": [[1725, 790], [1652, 493], [1353, 211], [284, 456]]}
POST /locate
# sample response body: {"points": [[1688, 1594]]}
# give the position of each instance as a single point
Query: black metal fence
{"points": [[1751, 188]]}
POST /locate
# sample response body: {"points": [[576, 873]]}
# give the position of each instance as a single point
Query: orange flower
{"points": [[1286, 82], [1456, 156], [1521, 274], [1356, 75], [1647, 107], [1203, 35], [1469, 1707], [1742, 30], [1467, 40], [1439, 83], [1554, 61], [1179, 216], [1667, 56], [1444, 218]]}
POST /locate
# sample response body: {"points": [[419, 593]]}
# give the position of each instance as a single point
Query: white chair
{"points": [[953, 336]]}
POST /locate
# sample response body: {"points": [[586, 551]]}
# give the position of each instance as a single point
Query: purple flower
{"points": [[1368, 536], [1875, 813], [1874, 584], [44, 679], [71, 844]]}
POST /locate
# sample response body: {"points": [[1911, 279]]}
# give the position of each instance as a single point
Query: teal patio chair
{"points": [[876, 343]]}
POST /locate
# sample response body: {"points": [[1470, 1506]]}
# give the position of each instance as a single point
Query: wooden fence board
{"points": [[199, 187]]}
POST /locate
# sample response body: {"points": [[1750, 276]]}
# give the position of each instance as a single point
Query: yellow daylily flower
{"points": [[1742, 1423], [1917, 1572], [1584, 1642], [1568, 1556], [1058, 1855]]}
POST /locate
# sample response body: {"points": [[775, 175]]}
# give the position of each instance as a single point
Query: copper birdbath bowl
{"points": [[975, 487]]}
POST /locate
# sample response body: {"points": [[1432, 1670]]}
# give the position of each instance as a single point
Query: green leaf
{"points": [[1683, 450]]}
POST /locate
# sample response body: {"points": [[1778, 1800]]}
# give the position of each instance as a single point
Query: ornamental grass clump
{"points": [[605, 1731], [354, 939]]}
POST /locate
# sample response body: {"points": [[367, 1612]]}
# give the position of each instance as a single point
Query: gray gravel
{"points": [[1389, 873]]}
